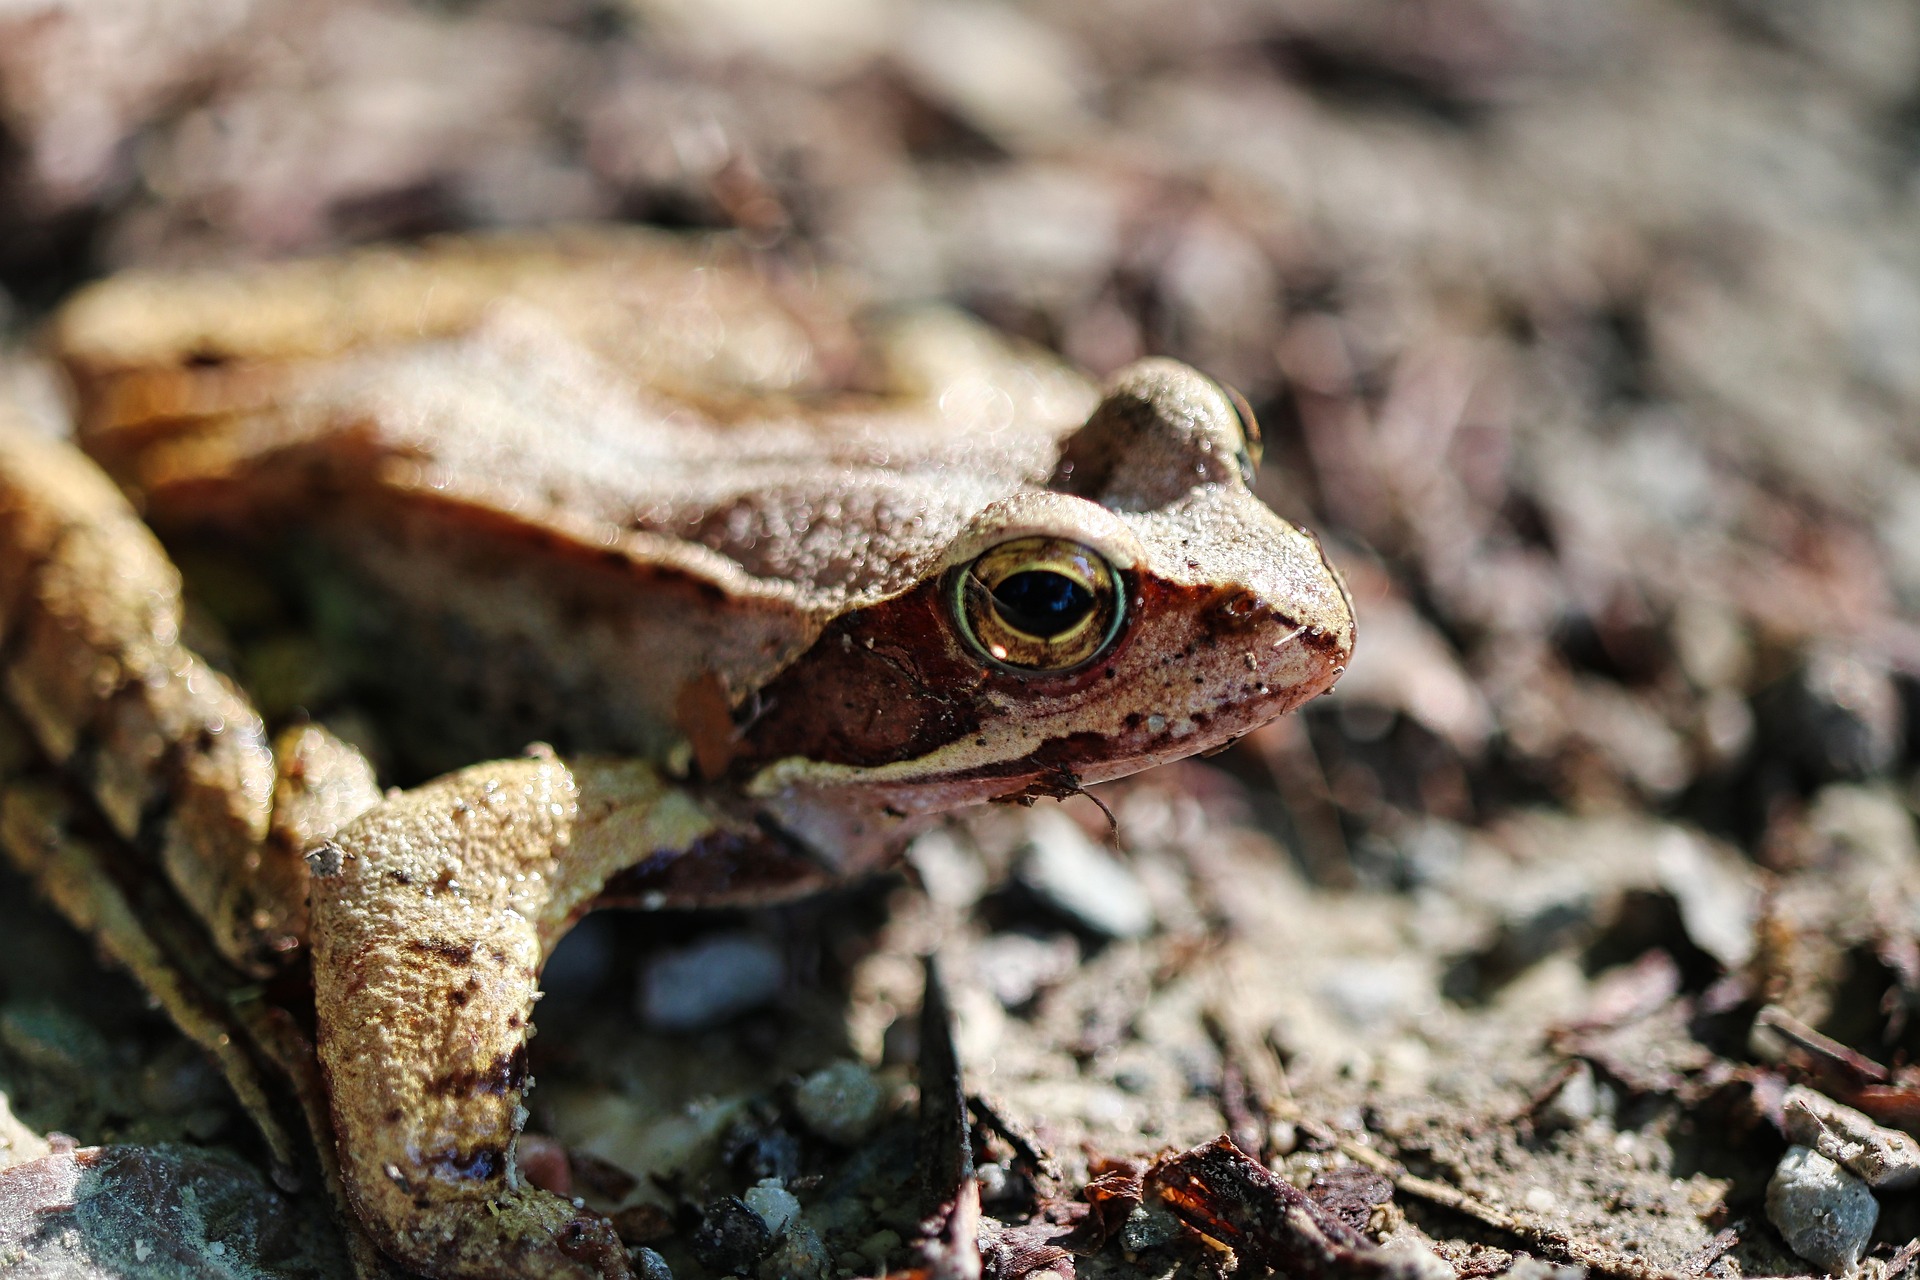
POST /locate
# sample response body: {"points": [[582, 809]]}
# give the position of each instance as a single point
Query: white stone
{"points": [[776, 1205], [716, 978], [1078, 877], [840, 1102]]}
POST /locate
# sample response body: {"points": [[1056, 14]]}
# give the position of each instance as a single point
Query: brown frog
{"points": [[775, 586]]}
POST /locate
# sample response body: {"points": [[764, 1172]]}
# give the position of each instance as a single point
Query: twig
{"points": [[1711, 1252]]}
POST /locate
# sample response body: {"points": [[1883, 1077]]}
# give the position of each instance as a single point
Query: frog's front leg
{"points": [[432, 916]]}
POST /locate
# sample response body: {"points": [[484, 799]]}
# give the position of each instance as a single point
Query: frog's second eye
{"points": [[1038, 604], [1250, 443]]}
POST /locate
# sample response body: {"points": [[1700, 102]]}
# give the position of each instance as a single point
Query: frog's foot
{"points": [[432, 916], [43, 835], [171, 753]]}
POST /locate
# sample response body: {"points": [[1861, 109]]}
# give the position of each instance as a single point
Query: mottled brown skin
{"points": [[722, 573], [169, 750]]}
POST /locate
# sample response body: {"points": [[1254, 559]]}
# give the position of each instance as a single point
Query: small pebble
{"points": [[648, 1265], [995, 1182], [1572, 1105], [1149, 1226], [949, 871], [731, 1237], [800, 1255], [841, 1102], [716, 978], [1825, 1213], [1408, 1259], [1718, 895], [1371, 994], [1016, 966], [18, 1143], [1885, 1159], [1535, 1269], [1076, 877], [773, 1202], [880, 1246]]}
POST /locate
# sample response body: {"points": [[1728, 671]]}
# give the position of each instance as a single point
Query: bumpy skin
{"points": [[668, 494], [170, 751], [93, 676]]}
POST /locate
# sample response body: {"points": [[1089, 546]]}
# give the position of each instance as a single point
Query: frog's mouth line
{"points": [[1047, 761]]}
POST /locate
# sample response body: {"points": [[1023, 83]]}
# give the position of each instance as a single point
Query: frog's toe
{"points": [[524, 1234]]}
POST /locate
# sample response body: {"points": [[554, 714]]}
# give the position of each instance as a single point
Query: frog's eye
{"points": [[1250, 447], [1038, 604]]}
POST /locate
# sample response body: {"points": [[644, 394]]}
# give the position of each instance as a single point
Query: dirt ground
{"points": [[1588, 338]]}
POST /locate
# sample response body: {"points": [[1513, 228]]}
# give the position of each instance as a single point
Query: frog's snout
{"points": [[1262, 656]]}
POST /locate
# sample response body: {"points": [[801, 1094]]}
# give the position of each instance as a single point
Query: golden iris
{"points": [[1039, 604]]}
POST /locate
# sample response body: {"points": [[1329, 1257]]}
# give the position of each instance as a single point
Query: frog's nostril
{"points": [[1237, 610]]}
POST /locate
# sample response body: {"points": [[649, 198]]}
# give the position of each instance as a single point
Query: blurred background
{"points": [[1587, 336]]}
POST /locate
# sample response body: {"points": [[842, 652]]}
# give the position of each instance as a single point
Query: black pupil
{"points": [[1042, 603]]}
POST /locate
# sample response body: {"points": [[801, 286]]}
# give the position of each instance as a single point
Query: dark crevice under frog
{"points": [[779, 586]]}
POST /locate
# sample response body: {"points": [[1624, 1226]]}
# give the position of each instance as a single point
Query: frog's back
{"points": [[578, 472]]}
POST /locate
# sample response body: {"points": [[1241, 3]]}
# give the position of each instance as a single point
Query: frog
{"points": [[692, 581]]}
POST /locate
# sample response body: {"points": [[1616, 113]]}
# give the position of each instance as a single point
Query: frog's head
{"points": [[1142, 607]]}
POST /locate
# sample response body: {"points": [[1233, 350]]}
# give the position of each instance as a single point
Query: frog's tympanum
{"points": [[767, 586]]}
